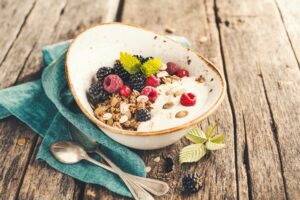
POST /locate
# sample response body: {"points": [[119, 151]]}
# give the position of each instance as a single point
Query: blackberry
{"points": [[142, 59], [97, 94], [142, 115], [103, 72], [137, 81], [192, 183], [119, 70]]}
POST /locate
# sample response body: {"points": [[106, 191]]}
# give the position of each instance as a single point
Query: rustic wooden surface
{"points": [[255, 43]]}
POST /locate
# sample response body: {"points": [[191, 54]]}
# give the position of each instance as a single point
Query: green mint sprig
{"points": [[204, 141], [133, 65]]}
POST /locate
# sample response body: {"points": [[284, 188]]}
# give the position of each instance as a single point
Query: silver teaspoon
{"points": [[154, 186], [69, 152]]}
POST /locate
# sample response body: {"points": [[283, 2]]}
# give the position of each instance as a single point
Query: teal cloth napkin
{"points": [[47, 106]]}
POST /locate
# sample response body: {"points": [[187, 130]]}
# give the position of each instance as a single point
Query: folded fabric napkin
{"points": [[47, 106]]}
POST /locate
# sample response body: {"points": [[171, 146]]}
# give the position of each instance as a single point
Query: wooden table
{"points": [[255, 43]]}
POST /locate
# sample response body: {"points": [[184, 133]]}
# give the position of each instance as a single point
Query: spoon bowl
{"points": [[68, 152]]}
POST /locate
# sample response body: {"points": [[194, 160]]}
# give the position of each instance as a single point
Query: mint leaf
{"points": [[217, 139], [192, 153], [196, 135], [214, 146], [130, 63], [151, 66]]}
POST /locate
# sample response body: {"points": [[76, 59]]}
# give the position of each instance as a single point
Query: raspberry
{"points": [[192, 183], [112, 83], [103, 72], [152, 81], [182, 73], [150, 92], [142, 115], [125, 91], [188, 99], [172, 68]]}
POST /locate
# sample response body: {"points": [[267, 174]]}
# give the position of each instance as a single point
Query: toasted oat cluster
{"points": [[119, 111]]}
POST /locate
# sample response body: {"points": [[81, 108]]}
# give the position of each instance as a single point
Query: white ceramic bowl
{"points": [[101, 45]]}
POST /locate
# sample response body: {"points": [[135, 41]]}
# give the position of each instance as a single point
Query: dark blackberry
{"points": [[119, 70], [103, 72], [142, 115], [142, 59], [137, 81], [192, 183], [97, 94]]}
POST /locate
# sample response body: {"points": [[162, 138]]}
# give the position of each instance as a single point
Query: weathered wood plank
{"points": [[70, 23], [12, 20], [264, 85], [43, 182], [195, 20], [289, 11], [61, 21], [16, 145]]}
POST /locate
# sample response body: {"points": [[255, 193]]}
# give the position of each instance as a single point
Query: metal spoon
{"points": [[156, 187], [70, 153]]}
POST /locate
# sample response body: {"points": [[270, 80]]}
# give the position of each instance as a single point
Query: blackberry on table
{"points": [[119, 70], [137, 81], [142, 115], [192, 183], [142, 59], [103, 72], [97, 94]]}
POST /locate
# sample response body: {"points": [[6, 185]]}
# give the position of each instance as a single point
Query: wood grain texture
{"points": [[217, 168], [61, 21], [289, 12], [264, 86]]}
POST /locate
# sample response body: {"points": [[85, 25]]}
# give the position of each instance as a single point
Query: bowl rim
{"points": [[145, 133]]}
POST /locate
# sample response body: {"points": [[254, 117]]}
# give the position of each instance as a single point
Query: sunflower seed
{"points": [[181, 114]]}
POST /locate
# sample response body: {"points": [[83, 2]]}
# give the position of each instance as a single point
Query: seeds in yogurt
{"points": [[168, 105], [181, 114]]}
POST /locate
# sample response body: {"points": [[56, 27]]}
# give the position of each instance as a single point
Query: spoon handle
{"points": [[154, 186], [137, 192]]}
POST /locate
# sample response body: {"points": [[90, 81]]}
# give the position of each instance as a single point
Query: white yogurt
{"points": [[165, 118]]}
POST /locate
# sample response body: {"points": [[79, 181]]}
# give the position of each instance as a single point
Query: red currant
{"points": [[182, 73], [125, 91]]}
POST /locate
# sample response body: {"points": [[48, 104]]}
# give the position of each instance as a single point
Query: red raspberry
{"points": [[112, 83], [182, 73], [125, 91], [172, 68], [152, 81], [188, 99], [150, 92]]}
